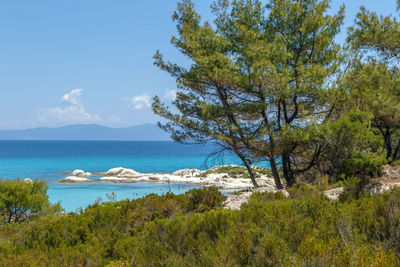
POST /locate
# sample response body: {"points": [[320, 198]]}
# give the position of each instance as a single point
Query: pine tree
{"points": [[259, 80], [375, 79]]}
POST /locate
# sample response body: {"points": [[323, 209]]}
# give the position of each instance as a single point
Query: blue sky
{"points": [[72, 61]]}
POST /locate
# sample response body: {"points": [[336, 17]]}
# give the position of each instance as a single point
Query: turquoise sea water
{"points": [[46, 159]]}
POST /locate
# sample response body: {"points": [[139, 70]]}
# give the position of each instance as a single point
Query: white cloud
{"points": [[70, 111], [143, 101], [73, 97], [138, 102], [170, 95]]}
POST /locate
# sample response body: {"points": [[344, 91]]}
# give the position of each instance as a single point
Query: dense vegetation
{"points": [[193, 230], [238, 171]]}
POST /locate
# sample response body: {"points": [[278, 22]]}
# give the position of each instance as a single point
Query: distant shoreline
{"points": [[88, 132]]}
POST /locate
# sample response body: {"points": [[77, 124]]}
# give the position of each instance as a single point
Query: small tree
{"points": [[351, 148], [374, 82], [20, 200]]}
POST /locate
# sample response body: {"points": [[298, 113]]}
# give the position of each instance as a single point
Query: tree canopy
{"points": [[21, 200], [374, 81], [260, 80]]}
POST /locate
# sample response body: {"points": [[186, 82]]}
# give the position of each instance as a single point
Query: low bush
{"points": [[352, 188], [364, 164], [192, 230], [204, 199]]}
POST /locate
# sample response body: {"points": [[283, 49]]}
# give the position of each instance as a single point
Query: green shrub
{"points": [[204, 199], [352, 188], [270, 230], [364, 164], [22, 200], [322, 183], [302, 190], [232, 171], [238, 172]]}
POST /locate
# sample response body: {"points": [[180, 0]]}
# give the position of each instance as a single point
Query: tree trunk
{"points": [[253, 179], [287, 170], [275, 172], [250, 171], [388, 145]]}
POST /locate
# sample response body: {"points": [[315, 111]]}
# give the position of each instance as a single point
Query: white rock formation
{"points": [[114, 171], [392, 173], [234, 202], [78, 173], [187, 172], [333, 194], [27, 180], [122, 172], [128, 173], [74, 179], [114, 179]]}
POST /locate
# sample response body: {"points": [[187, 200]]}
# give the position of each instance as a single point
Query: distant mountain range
{"points": [[145, 132]]}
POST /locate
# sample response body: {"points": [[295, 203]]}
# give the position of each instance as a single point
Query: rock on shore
{"points": [[187, 172], [122, 172], [390, 179], [80, 173], [74, 179], [27, 180], [187, 176]]}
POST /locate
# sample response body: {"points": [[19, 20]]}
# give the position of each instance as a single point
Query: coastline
{"points": [[216, 177], [187, 176]]}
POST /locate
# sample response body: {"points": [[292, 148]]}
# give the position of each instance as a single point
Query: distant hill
{"points": [[145, 132]]}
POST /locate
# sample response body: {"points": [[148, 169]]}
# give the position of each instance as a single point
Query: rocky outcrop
{"points": [[80, 173], [234, 202], [187, 172], [333, 194], [27, 180], [77, 176], [390, 178], [122, 172], [185, 176], [75, 179], [391, 173], [380, 186]]}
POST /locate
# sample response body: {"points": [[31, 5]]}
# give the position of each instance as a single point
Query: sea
{"points": [[48, 159]]}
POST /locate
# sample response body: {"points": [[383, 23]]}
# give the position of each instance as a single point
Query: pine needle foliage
{"points": [[259, 81]]}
